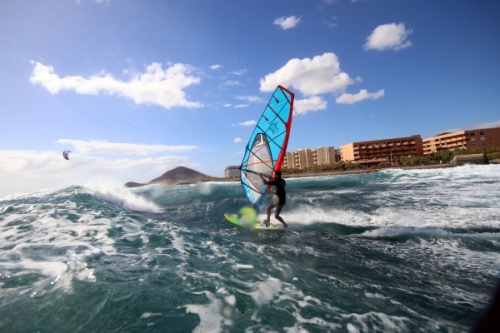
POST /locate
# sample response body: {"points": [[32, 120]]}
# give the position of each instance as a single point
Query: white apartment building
{"points": [[232, 171], [303, 158]]}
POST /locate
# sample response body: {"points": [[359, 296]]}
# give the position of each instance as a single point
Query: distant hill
{"points": [[179, 175]]}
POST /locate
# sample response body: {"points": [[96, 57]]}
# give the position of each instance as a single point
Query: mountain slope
{"points": [[179, 175]]}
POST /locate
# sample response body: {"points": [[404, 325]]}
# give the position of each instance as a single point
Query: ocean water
{"points": [[392, 251]]}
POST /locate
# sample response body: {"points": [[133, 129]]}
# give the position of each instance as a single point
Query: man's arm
{"points": [[263, 179]]}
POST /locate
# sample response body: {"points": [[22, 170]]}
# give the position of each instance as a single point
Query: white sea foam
{"points": [[377, 321], [124, 197], [147, 315], [461, 197], [398, 231], [299, 302], [177, 242], [265, 290], [210, 314], [379, 296], [54, 241]]}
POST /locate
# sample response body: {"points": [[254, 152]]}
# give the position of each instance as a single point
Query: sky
{"points": [[136, 88]]}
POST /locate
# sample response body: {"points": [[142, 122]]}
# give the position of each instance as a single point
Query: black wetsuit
{"points": [[279, 189]]}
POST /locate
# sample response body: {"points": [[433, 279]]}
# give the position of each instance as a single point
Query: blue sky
{"points": [[135, 88]]}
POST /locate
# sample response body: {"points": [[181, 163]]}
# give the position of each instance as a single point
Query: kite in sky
{"points": [[66, 154]]}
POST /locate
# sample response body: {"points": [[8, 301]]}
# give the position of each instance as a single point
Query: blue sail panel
{"points": [[266, 148]]}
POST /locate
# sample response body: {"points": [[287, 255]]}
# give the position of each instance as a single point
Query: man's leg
{"points": [[278, 217], [268, 211]]}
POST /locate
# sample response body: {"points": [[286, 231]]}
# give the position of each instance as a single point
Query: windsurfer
{"points": [[279, 198]]}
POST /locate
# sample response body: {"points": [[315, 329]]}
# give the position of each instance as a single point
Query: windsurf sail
{"points": [[66, 154], [266, 148]]}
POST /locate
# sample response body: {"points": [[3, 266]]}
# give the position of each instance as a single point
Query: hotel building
{"points": [[478, 138], [385, 150]]}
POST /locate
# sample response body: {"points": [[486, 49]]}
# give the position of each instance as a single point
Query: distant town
{"points": [[389, 152]]}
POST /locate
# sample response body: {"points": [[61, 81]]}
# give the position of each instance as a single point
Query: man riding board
{"points": [[279, 198]]}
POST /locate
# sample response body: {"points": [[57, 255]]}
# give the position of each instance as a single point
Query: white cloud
{"points": [[390, 36], [250, 99], [487, 125], [361, 96], [332, 22], [315, 103], [247, 123], [95, 146], [314, 77], [158, 86], [215, 67], [232, 83], [79, 2], [238, 140], [287, 22], [31, 171], [239, 72], [236, 106], [319, 75]]}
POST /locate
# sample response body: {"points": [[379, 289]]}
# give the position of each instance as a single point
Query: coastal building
{"points": [[298, 159], [288, 161], [232, 171], [303, 158], [338, 156], [478, 138], [324, 155], [385, 150]]}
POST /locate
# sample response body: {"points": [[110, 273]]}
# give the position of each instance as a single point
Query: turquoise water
{"points": [[393, 251]]}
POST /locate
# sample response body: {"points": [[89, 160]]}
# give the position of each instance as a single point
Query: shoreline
{"points": [[338, 172]]}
